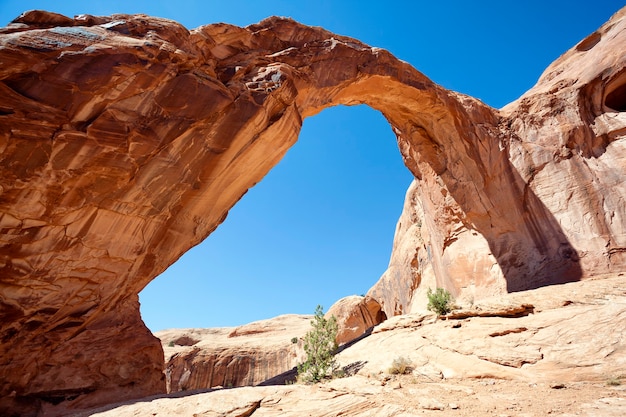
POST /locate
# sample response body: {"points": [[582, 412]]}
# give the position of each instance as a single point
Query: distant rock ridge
{"points": [[257, 352], [126, 139], [227, 357]]}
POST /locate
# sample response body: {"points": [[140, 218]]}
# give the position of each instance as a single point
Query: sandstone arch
{"points": [[126, 139]]}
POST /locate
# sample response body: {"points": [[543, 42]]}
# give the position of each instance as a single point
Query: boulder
{"points": [[355, 316]]}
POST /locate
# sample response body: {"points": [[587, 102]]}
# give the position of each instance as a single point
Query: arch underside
{"points": [[127, 144]]}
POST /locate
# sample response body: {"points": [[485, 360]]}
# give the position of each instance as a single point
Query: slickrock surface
{"points": [[398, 397], [566, 358], [232, 356], [125, 140], [566, 333]]}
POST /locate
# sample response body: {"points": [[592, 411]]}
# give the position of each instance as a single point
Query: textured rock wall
{"points": [[265, 351], [125, 140], [233, 357], [556, 210]]}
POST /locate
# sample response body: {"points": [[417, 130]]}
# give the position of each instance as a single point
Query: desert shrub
{"points": [[613, 382], [401, 366], [294, 340], [171, 343], [320, 347], [439, 301]]}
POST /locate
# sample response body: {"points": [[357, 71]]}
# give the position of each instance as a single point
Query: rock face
{"points": [[232, 357], [255, 353], [126, 139], [355, 316], [552, 189]]}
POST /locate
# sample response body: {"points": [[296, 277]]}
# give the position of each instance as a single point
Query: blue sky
{"points": [[320, 225]]}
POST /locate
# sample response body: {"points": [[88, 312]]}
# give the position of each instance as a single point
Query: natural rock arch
{"points": [[127, 139]]}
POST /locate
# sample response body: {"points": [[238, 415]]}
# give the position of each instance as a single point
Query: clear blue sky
{"points": [[320, 225]]}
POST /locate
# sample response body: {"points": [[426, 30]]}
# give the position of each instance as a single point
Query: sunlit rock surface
{"points": [[496, 357], [125, 140], [553, 211], [233, 356], [356, 315]]}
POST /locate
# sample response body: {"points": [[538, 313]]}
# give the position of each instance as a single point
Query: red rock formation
{"points": [[552, 212], [355, 316], [126, 139], [227, 357]]}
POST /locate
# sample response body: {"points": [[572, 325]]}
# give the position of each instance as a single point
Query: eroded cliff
{"points": [[126, 139], [553, 212], [247, 355]]}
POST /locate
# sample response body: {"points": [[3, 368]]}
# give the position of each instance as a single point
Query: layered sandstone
{"points": [[233, 356], [126, 139], [563, 333], [255, 353]]}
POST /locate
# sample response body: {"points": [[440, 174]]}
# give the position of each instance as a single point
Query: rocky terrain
{"points": [[558, 350], [398, 397], [232, 357], [125, 140], [255, 353]]}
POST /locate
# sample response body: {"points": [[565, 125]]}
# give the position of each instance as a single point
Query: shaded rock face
{"points": [[125, 140]]}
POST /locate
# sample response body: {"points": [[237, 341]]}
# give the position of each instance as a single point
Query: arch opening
{"points": [[318, 227]]}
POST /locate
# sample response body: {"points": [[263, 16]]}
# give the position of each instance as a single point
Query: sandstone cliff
{"points": [[255, 353], [552, 211], [126, 139], [232, 357]]}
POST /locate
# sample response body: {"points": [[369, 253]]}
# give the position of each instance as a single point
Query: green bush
{"points": [[294, 340], [320, 347], [401, 366], [614, 382], [439, 301]]}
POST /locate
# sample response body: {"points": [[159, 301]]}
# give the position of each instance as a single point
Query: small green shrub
{"points": [[171, 344], [339, 373], [439, 301], [320, 347], [613, 382], [401, 366], [294, 340]]}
